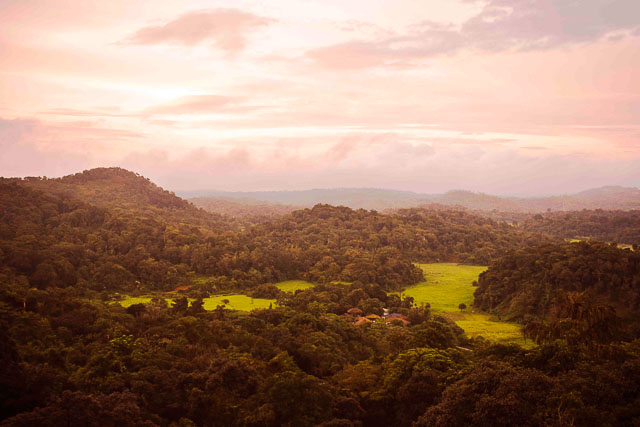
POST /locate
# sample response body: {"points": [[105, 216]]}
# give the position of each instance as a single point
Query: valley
{"points": [[115, 293]]}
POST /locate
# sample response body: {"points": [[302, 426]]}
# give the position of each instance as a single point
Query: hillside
{"points": [[355, 198], [114, 230], [110, 187], [250, 209], [346, 349], [609, 226], [611, 197], [551, 282], [102, 229]]}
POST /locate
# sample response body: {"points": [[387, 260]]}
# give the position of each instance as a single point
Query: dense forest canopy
{"points": [[609, 226], [554, 282], [252, 210], [112, 229], [71, 356]]}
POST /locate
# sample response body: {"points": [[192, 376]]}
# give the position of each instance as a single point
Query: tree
{"points": [[180, 305], [136, 309], [197, 306], [494, 395], [462, 306]]}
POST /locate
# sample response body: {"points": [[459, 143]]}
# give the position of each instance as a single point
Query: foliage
{"points": [[445, 286], [610, 226], [533, 283], [71, 355]]}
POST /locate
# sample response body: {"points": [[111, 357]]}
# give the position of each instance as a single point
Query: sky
{"points": [[519, 97]]}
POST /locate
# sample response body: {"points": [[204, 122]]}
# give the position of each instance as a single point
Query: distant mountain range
{"points": [[609, 197]]}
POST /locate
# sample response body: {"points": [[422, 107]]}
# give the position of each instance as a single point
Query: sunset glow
{"points": [[500, 96]]}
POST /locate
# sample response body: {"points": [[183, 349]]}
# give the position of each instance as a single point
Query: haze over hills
{"points": [[356, 198], [609, 197], [243, 208]]}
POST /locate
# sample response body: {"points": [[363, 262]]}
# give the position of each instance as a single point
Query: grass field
{"points": [[446, 286], [236, 302], [293, 285], [481, 324], [128, 301]]}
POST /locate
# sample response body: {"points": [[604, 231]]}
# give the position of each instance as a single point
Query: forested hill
{"points": [[110, 187], [355, 198], [610, 197], [609, 226], [441, 235], [246, 209], [102, 229], [109, 229], [552, 282], [71, 356]]}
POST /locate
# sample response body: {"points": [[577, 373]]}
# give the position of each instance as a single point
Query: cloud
{"points": [[203, 104], [348, 145], [357, 161], [33, 147], [72, 112], [501, 25], [15, 130], [226, 28], [429, 40], [387, 160], [21, 156], [544, 24]]}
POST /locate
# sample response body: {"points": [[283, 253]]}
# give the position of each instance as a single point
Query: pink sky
{"points": [[499, 96]]}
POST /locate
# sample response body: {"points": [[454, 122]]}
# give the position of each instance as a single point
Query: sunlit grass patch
{"points": [[447, 285], [481, 324], [232, 302], [237, 302], [340, 282], [128, 301], [293, 285]]}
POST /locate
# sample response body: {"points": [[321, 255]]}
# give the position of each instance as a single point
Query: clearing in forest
{"points": [[293, 285], [237, 302], [447, 285], [233, 302], [129, 301]]}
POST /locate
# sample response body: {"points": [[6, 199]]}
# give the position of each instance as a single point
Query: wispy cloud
{"points": [[492, 95], [203, 104], [501, 25], [227, 29]]}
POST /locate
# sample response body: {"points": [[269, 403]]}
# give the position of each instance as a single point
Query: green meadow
{"points": [[293, 285], [129, 301], [447, 285], [234, 302], [481, 324], [237, 302]]}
